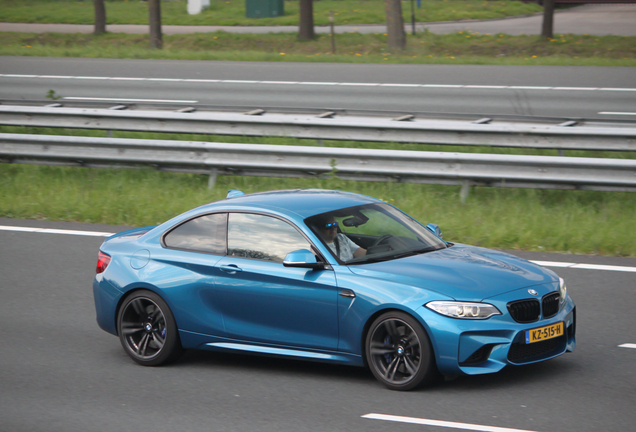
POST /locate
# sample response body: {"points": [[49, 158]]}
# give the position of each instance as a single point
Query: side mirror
{"points": [[434, 228], [302, 258]]}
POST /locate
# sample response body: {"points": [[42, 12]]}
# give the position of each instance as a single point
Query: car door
{"points": [[185, 272], [265, 302]]}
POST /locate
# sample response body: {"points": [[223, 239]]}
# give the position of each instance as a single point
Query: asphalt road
{"points": [[60, 372], [573, 92]]}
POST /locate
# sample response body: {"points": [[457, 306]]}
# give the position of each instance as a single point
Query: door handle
{"points": [[231, 268], [347, 293]]}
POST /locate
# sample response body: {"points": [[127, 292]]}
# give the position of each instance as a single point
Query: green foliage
{"points": [[232, 13], [52, 95], [424, 48]]}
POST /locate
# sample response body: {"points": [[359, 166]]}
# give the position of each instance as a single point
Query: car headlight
{"points": [[464, 310], [563, 291]]}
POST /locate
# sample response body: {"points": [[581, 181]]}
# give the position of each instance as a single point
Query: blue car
{"points": [[327, 276]]}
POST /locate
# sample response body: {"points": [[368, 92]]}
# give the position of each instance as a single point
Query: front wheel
{"points": [[147, 329], [399, 352]]}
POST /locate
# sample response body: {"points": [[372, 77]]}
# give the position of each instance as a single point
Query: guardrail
{"points": [[349, 164], [330, 126]]}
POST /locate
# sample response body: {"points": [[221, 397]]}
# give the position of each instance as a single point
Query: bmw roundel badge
{"points": [[533, 292]]}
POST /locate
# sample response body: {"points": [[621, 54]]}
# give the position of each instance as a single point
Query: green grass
{"points": [[424, 48], [522, 219], [541, 220], [232, 12]]}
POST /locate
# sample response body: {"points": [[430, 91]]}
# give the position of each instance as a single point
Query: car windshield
{"points": [[372, 233]]}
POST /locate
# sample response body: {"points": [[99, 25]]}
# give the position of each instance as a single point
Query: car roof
{"points": [[302, 202]]}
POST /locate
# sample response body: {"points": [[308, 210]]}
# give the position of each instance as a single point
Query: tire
{"points": [[399, 352], [147, 329]]}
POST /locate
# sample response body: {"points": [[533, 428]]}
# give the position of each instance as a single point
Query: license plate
{"points": [[544, 333]]}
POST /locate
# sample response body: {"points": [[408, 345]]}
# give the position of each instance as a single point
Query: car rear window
{"points": [[203, 234]]}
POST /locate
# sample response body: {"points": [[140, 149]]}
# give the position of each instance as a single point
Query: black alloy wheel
{"points": [[399, 352], [147, 329]]}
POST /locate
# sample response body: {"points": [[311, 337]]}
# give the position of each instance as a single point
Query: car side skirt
{"points": [[210, 343]]}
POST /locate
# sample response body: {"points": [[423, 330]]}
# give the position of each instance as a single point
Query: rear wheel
{"points": [[399, 352], [147, 329]]}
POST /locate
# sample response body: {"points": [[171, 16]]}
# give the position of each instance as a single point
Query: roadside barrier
{"points": [[465, 169], [331, 126]]}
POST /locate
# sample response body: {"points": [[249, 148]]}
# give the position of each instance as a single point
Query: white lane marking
{"points": [[279, 82], [446, 424], [19, 76], [575, 88], [604, 267], [165, 79], [359, 84], [90, 78], [617, 89], [628, 345], [56, 231], [128, 79], [529, 88], [443, 85], [541, 263], [130, 100], [468, 86], [553, 264], [485, 86], [239, 81], [585, 266], [400, 85], [319, 83], [617, 113]]}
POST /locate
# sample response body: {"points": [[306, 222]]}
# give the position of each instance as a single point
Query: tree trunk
{"points": [[154, 15], [100, 16], [547, 29], [395, 25], [306, 24]]}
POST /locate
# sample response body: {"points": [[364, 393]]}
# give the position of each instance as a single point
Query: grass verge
{"points": [[524, 219], [232, 12], [424, 48]]}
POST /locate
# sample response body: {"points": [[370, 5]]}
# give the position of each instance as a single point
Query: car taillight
{"points": [[102, 262]]}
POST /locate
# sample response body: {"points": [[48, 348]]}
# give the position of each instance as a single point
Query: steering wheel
{"points": [[382, 239]]}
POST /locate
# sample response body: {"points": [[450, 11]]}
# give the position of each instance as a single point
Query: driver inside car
{"points": [[339, 243]]}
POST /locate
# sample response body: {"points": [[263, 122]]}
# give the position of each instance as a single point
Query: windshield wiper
{"points": [[373, 259], [415, 252]]}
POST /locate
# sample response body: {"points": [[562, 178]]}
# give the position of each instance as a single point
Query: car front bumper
{"points": [[474, 347]]}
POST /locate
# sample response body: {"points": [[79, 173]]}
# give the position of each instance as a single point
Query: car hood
{"points": [[462, 272]]}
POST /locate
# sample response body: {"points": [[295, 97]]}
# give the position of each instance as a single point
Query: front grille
{"points": [[521, 352], [525, 311], [550, 304]]}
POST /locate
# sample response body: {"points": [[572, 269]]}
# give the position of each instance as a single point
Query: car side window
{"points": [[203, 234], [262, 237]]}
